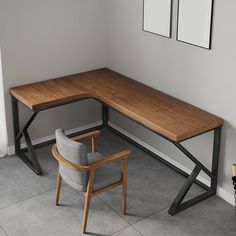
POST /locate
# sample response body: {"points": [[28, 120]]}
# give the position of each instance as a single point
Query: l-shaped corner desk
{"points": [[171, 118]]}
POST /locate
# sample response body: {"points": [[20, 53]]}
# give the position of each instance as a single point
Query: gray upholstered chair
{"points": [[91, 173]]}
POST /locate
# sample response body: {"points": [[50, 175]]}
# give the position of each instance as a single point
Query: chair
{"points": [[91, 173]]}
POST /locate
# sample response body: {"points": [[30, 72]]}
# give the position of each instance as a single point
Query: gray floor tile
{"points": [[213, 217], [47, 148], [39, 216], [2, 232], [19, 182], [129, 231], [113, 143], [151, 188]]}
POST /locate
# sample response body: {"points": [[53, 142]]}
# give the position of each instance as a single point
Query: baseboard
{"points": [[220, 191], [11, 149], [228, 197]]}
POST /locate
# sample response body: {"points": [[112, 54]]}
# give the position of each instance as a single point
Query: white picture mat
{"points": [[157, 16], [194, 22]]}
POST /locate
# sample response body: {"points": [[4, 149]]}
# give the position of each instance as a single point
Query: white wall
{"points": [[50, 38], [201, 77]]}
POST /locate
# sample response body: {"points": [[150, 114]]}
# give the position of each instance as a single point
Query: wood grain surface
{"points": [[171, 117]]}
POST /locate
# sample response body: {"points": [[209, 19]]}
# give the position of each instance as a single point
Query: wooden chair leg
{"points": [[93, 145], [58, 188], [87, 200], [124, 185], [86, 212]]}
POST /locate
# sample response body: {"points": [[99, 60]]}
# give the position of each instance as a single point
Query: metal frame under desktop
{"points": [[177, 205]]}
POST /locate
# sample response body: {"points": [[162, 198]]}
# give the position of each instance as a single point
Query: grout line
{"points": [[126, 227], [120, 215], [159, 211], [137, 230], [33, 196], [146, 217], [131, 224], [4, 230], [24, 200]]}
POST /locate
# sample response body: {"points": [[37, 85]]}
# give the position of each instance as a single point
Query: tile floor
{"points": [[27, 201]]}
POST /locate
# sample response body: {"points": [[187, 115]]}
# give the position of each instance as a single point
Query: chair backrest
{"points": [[76, 153]]}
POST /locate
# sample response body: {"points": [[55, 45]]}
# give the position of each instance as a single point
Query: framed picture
{"points": [[194, 24], [157, 17]]}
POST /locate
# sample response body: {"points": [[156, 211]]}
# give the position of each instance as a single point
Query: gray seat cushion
{"points": [[105, 175], [76, 153]]}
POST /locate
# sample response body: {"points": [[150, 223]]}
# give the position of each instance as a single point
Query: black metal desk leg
{"points": [[215, 158], [16, 128], [178, 204], [184, 190], [105, 115], [32, 162], [32, 152]]}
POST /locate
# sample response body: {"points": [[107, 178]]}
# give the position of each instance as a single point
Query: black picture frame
{"points": [[170, 30], [210, 28]]}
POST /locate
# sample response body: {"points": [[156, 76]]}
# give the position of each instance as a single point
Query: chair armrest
{"points": [[92, 134], [112, 158], [67, 163]]}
